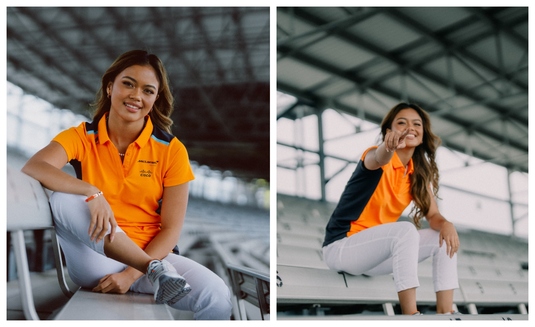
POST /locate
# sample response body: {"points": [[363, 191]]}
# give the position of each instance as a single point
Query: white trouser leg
{"points": [[87, 264], [85, 259], [393, 248], [209, 298], [380, 250], [444, 268]]}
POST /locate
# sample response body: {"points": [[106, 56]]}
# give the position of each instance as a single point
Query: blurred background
{"points": [[217, 60], [341, 69]]}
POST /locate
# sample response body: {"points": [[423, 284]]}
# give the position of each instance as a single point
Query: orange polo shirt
{"points": [[134, 187], [371, 198]]}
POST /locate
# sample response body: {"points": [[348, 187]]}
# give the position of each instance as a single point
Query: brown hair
{"points": [[425, 167], [163, 106]]}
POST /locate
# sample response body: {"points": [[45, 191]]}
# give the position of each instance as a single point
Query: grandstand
{"points": [[339, 70], [215, 234], [217, 60], [491, 279]]}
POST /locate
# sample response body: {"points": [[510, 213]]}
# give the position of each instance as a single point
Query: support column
{"points": [[511, 204], [321, 154]]}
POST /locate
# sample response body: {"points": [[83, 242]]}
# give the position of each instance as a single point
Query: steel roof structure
{"points": [[217, 60], [468, 67]]}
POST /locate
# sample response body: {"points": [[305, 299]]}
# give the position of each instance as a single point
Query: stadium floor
{"points": [[505, 317]]}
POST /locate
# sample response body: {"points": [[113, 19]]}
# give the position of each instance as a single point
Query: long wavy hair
{"points": [[425, 167], [163, 106]]}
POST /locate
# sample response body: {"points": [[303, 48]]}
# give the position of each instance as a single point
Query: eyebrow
{"points": [[417, 119], [134, 80]]}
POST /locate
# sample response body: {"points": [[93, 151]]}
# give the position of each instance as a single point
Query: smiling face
{"points": [[409, 119], [133, 93]]}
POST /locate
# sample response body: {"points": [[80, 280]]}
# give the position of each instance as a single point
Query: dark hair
{"points": [[163, 106], [425, 167]]}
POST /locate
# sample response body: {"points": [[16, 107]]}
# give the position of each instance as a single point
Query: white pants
{"points": [[393, 248], [87, 264]]}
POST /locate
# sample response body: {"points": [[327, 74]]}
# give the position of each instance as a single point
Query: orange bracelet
{"points": [[94, 196]]}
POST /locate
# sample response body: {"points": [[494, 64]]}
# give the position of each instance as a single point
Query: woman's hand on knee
{"points": [[102, 218], [448, 235]]}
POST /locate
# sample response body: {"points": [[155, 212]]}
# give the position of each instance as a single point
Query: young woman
{"points": [[363, 237], [120, 219]]}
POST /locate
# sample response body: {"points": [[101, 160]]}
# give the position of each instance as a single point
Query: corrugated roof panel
{"points": [[300, 75], [339, 53], [335, 88], [384, 33], [435, 18], [376, 68]]}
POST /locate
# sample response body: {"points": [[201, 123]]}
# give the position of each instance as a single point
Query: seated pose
{"points": [[363, 235], [119, 221]]}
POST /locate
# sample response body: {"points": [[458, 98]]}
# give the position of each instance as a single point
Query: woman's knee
{"points": [[214, 301], [408, 230], [60, 197], [65, 204]]}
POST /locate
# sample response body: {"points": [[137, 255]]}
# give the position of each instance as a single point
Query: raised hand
{"points": [[395, 140]]}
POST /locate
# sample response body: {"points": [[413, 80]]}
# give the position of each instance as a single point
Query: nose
{"points": [[135, 94]]}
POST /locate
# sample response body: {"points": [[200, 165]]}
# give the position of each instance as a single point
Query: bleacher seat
{"points": [[489, 275], [300, 256], [28, 209]]}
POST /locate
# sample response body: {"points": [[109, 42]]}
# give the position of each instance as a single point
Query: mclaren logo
{"points": [[148, 162]]}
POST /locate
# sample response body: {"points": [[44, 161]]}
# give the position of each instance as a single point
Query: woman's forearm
{"points": [[45, 166], [437, 221], [162, 244], [56, 179]]}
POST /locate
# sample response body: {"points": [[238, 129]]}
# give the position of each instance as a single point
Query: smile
{"points": [[131, 107]]}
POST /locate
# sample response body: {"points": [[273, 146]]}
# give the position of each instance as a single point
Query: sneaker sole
{"points": [[168, 287], [180, 295]]}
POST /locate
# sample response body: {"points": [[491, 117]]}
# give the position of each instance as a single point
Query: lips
{"points": [[132, 108]]}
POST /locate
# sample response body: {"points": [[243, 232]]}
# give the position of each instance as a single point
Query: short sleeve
{"points": [[178, 167], [72, 141], [363, 168]]}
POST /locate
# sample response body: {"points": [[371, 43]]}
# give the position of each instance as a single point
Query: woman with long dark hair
{"points": [[363, 235], [120, 219]]}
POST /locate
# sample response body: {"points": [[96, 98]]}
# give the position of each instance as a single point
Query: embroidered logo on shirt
{"points": [[145, 173], [148, 162]]}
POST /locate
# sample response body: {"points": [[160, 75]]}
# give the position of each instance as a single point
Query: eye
{"points": [[149, 91], [127, 83]]}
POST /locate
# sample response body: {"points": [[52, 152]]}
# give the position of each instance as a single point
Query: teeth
{"points": [[131, 106]]}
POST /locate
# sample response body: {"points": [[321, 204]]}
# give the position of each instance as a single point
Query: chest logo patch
{"points": [[145, 173], [150, 162]]}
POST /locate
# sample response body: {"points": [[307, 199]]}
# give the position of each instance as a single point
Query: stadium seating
{"points": [[490, 278], [245, 238], [251, 286]]}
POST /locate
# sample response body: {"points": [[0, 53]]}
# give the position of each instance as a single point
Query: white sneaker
{"points": [[169, 286]]}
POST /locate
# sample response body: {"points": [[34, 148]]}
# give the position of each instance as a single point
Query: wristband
{"points": [[94, 196]]}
